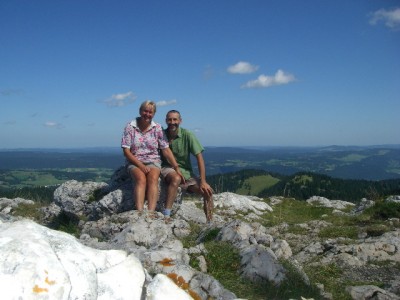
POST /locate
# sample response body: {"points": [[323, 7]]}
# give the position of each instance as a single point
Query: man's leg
{"points": [[208, 207], [173, 181], [208, 204]]}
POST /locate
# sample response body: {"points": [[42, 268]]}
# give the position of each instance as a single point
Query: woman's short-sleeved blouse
{"points": [[144, 145]]}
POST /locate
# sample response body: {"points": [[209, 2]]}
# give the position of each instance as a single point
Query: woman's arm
{"points": [[167, 153]]}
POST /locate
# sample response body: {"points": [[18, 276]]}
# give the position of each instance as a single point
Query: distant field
{"points": [[51, 177], [254, 185]]}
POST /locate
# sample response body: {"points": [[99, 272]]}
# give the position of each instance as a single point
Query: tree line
{"points": [[304, 185], [300, 186]]}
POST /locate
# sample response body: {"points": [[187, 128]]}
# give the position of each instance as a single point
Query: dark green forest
{"points": [[304, 185]]}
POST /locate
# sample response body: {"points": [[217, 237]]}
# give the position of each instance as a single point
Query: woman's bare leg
{"points": [[152, 188], [139, 191]]}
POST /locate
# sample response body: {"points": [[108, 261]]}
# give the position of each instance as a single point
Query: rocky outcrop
{"points": [[7, 205], [94, 200], [116, 241], [39, 263]]}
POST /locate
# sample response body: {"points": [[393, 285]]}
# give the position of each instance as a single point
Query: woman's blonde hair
{"points": [[148, 103]]}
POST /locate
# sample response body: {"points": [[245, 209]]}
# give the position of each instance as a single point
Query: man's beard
{"points": [[173, 127]]}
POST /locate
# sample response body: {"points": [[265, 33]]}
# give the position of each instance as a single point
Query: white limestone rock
{"points": [[245, 204], [163, 288], [39, 263], [336, 204]]}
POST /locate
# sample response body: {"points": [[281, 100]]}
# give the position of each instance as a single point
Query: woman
{"points": [[141, 143]]}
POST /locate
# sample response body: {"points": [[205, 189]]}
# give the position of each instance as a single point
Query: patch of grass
{"points": [[350, 232], [29, 211], [294, 212], [254, 185], [191, 239], [223, 262], [329, 275], [297, 230]]}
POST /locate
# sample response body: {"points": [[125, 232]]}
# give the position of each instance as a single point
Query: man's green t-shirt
{"points": [[182, 146]]}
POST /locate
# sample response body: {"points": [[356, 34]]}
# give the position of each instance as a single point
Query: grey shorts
{"points": [[188, 182], [130, 166]]}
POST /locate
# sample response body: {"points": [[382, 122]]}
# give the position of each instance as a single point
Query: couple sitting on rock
{"points": [[151, 151]]}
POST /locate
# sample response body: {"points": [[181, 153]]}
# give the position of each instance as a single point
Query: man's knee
{"points": [[173, 179]]}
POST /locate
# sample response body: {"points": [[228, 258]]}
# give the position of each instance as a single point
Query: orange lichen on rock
{"points": [[37, 289], [194, 295], [167, 262], [180, 281], [49, 282]]}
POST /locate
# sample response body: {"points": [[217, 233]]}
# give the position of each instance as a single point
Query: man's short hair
{"points": [[173, 111]]}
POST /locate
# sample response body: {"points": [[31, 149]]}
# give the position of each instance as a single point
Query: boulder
{"points": [[94, 200], [364, 292], [37, 262], [336, 204]]}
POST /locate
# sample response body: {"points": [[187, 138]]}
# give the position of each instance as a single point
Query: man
{"points": [[183, 143]]}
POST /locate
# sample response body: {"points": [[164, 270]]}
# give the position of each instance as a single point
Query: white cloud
{"points": [[391, 18], [51, 124], [165, 103], [119, 100], [242, 67], [264, 81]]}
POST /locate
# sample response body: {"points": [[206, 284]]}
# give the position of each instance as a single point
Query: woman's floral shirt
{"points": [[144, 145]]}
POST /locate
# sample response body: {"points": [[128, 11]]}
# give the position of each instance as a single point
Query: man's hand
{"points": [[206, 189], [178, 171]]}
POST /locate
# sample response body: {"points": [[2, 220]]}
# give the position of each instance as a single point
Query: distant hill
{"points": [[302, 185], [346, 162]]}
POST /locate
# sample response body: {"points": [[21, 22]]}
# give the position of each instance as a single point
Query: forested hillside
{"points": [[302, 185]]}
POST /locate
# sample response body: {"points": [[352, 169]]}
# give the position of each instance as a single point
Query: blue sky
{"points": [[242, 73]]}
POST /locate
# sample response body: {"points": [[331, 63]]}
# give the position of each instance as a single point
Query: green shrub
{"points": [[384, 210], [211, 234], [67, 223], [96, 195], [376, 229]]}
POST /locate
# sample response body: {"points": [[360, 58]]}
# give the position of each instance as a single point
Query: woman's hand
{"points": [[145, 169]]}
